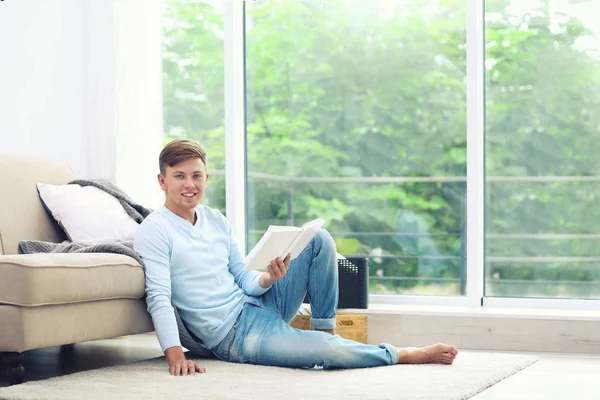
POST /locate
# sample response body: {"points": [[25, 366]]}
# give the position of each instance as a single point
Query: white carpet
{"points": [[470, 374]]}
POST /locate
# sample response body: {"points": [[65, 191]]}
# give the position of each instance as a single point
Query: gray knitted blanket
{"points": [[138, 213], [134, 210], [39, 246]]}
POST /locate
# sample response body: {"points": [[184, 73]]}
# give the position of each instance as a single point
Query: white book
{"points": [[279, 241]]}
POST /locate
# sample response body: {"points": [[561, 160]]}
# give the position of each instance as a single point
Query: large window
{"points": [[193, 84], [356, 112], [542, 148]]}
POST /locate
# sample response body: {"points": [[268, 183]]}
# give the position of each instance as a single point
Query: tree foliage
{"points": [[353, 89]]}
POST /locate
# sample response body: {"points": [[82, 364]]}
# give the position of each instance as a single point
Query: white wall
{"points": [[138, 86], [42, 79], [80, 82], [99, 99]]}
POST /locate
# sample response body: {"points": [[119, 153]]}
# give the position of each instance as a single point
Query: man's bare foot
{"points": [[435, 354]]}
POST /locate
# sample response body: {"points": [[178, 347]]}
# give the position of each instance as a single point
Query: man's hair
{"points": [[178, 151]]}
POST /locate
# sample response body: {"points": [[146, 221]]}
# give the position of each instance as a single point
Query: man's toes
{"points": [[447, 359], [452, 353], [444, 348]]}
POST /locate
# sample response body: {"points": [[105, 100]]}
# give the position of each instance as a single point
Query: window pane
{"points": [[542, 164], [356, 114], [193, 84]]}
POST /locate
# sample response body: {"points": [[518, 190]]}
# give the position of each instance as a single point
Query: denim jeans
{"points": [[262, 334]]}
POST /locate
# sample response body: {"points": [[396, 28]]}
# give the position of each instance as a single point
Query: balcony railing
{"points": [[289, 182]]}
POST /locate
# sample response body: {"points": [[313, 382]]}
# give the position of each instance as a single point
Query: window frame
{"points": [[236, 165]]}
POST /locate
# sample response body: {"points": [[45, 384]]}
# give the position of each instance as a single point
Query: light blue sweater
{"points": [[199, 269]]}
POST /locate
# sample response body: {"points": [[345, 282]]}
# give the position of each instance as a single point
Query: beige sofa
{"points": [[55, 299]]}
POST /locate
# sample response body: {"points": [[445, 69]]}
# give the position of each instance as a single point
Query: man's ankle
{"points": [[403, 356]]}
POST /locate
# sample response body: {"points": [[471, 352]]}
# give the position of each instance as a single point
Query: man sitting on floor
{"points": [[192, 262]]}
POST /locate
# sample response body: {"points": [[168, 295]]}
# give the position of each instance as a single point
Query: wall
{"points": [[80, 82], [138, 91], [42, 80], [483, 328]]}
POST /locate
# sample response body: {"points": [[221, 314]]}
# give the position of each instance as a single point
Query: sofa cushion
{"points": [[54, 278], [88, 215]]}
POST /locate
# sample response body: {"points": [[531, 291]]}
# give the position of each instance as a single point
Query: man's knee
{"points": [[324, 241]]}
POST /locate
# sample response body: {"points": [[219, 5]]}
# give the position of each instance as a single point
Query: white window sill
{"points": [[485, 312]]}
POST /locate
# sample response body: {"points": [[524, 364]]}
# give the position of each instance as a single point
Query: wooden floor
{"points": [[555, 376]]}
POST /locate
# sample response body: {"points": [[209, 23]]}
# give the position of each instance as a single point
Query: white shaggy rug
{"points": [[470, 374]]}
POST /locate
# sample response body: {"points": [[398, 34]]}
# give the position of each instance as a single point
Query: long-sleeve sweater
{"points": [[199, 269]]}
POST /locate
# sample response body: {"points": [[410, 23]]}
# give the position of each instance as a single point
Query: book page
{"points": [[309, 230], [273, 244]]}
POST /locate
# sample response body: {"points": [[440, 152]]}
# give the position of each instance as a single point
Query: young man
{"points": [[192, 262]]}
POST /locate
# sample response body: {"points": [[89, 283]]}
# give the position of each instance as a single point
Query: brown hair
{"points": [[178, 151]]}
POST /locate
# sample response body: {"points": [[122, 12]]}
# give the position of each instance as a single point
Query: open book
{"points": [[278, 241]]}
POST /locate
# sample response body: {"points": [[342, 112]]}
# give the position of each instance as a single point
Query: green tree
{"points": [[352, 89]]}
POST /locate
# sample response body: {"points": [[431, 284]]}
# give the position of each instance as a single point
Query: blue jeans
{"points": [[262, 334]]}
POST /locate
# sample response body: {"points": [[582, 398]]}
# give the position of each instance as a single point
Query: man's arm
{"points": [[153, 244], [265, 281], [253, 283]]}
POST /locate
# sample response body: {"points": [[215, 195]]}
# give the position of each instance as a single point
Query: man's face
{"points": [[184, 185]]}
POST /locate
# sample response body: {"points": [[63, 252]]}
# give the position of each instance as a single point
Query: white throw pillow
{"points": [[87, 214]]}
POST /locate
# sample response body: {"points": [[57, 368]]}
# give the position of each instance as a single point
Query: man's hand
{"points": [[185, 367], [178, 365], [275, 271]]}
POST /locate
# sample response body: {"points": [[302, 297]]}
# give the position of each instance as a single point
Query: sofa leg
{"points": [[14, 367]]}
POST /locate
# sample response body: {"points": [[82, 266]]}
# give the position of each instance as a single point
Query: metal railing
{"points": [[289, 182]]}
